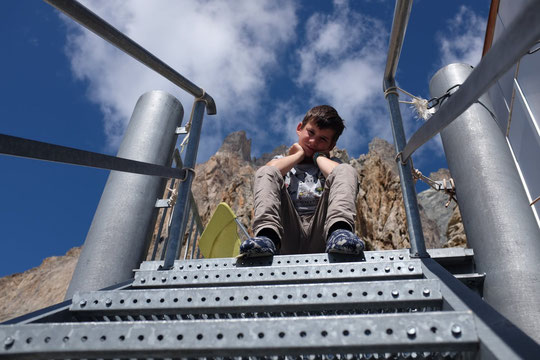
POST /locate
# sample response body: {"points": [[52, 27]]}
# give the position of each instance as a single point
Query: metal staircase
{"points": [[384, 306], [395, 304]]}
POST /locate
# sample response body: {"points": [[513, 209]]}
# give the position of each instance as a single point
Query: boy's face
{"points": [[313, 139]]}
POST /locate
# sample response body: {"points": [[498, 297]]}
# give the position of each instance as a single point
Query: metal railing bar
{"points": [[190, 233], [497, 334], [414, 224], [160, 228], [194, 207], [399, 26], [181, 208], [100, 27], [16, 146], [194, 241], [164, 248], [520, 36]]}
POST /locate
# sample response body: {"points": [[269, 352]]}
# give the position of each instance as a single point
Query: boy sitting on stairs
{"points": [[306, 202]]}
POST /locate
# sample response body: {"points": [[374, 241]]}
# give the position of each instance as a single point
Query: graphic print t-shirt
{"points": [[305, 184]]}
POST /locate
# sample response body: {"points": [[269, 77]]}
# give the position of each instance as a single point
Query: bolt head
{"points": [[426, 292], [456, 330], [143, 280], [387, 269], [411, 267], [411, 332], [82, 303], [391, 257], [163, 279], [400, 257], [395, 293], [9, 341], [108, 302]]}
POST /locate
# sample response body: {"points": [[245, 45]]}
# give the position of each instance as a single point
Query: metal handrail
{"points": [[519, 37], [402, 12], [100, 27], [16, 146], [414, 224], [194, 211]]}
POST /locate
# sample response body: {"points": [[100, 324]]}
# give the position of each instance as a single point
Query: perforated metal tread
{"points": [[361, 271], [404, 294], [450, 255], [436, 331]]}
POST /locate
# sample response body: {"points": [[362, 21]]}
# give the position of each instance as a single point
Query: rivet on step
{"points": [[163, 279], [395, 293], [9, 342], [387, 269], [82, 303], [400, 257], [456, 330], [108, 302], [411, 332], [411, 267], [391, 257], [426, 292], [143, 280]]}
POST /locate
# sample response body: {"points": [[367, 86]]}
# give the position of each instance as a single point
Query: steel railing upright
{"points": [[197, 229], [414, 224]]}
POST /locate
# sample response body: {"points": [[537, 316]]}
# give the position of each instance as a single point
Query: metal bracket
{"points": [[163, 203], [181, 130]]}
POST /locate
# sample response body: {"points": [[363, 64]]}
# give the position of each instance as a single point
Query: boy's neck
{"points": [[306, 160]]}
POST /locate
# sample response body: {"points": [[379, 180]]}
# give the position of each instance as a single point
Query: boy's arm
{"points": [[286, 163], [326, 165]]}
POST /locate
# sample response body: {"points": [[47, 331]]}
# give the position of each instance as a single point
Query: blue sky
{"points": [[264, 62]]}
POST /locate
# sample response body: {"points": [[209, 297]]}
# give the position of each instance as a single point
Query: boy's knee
{"points": [[345, 170], [268, 171], [343, 174]]}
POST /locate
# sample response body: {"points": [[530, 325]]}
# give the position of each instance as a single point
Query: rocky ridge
{"points": [[228, 176]]}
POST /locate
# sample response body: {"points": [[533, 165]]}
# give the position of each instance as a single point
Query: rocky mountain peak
{"points": [[236, 144]]}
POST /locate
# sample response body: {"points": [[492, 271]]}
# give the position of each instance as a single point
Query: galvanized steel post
{"points": [[118, 237], [498, 220], [180, 213]]}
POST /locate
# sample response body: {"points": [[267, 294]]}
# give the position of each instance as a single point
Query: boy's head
{"points": [[319, 130], [325, 117]]}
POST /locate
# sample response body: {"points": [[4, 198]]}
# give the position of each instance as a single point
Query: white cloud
{"points": [[228, 48], [463, 38], [341, 64]]}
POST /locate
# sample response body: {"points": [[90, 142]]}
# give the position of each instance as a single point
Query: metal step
{"points": [[360, 271], [454, 257], [435, 331], [316, 298]]}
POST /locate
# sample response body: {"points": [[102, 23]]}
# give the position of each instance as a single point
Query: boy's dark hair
{"points": [[325, 117]]}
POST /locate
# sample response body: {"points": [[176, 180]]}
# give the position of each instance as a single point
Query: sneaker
{"points": [[344, 242], [257, 246]]}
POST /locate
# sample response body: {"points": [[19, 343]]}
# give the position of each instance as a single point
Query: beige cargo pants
{"points": [[302, 234]]}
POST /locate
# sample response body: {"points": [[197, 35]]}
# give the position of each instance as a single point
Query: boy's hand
{"points": [[284, 164], [296, 148]]}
